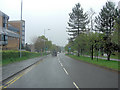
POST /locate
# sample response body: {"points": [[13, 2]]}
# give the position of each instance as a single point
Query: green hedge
{"points": [[11, 56], [7, 54]]}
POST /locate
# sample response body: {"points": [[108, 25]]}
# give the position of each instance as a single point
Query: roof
{"points": [[17, 21], [3, 14]]}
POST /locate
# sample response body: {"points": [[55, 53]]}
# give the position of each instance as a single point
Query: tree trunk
{"points": [[78, 52], [108, 57], [92, 53], [68, 52], [81, 52], [102, 53]]}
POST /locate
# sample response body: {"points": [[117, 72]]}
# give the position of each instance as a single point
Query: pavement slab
{"points": [[11, 69]]}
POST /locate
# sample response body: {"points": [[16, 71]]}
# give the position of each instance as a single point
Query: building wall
{"points": [[11, 38], [0, 21], [3, 26], [17, 24], [13, 43]]}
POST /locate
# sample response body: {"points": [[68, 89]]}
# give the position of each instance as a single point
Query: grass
{"points": [[116, 56], [100, 62], [12, 59], [112, 57]]}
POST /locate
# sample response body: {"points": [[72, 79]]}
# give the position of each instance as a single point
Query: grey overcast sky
{"points": [[47, 14]]}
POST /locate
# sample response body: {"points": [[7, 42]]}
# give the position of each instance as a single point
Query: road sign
{"points": [[69, 48]]}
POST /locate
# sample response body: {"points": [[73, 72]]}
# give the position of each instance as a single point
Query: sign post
{"points": [[69, 48]]}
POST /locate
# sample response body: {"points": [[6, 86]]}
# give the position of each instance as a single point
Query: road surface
{"points": [[64, 72]]}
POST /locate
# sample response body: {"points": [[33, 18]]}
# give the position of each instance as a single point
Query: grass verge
{"points": [[101, 62], [112, 57], [9, 57]]}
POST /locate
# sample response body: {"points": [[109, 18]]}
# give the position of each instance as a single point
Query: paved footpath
{"points": [[103, 58], [11, 69]]}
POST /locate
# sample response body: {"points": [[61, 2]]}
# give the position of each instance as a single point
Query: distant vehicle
{"points": [[54, 53]]}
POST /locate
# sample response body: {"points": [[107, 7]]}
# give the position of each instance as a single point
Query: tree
{"points": [[81, 43], [106, 18], [42, 44], [105, 24], [70, 46], [39, 44], [27, 47], [116, 34], [77, 22], [93, 42]]}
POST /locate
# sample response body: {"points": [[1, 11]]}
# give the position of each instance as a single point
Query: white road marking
{"points": [[59, 61], [65, 71], [76, 85], [61, 64]]}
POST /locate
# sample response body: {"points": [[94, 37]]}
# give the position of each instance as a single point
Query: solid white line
{"points": [[76, 85], [65, 71]]}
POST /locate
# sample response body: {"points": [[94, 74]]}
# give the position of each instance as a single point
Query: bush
{"points": [[7, 54], [10, 56]]}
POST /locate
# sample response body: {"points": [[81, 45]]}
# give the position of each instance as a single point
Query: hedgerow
{"points": [[7, 54]]}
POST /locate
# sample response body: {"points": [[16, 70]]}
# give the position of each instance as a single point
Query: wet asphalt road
{"points": [[64, 72]]}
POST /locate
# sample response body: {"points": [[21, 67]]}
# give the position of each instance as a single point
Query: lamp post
{"points": [[91, 30], [44, 40], [21, 29], [92, 21]]}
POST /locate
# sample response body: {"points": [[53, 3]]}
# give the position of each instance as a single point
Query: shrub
{"points": [[7, 54]]}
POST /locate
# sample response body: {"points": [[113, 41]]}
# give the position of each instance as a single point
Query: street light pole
{"points": [[92, 21], [44, 40], [21, 29]]}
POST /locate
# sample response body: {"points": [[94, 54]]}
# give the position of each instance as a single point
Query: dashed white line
{"points": [[61, 64], [76, 85], [65, 71]]}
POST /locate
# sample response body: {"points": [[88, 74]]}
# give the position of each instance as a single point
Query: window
{"points": [[3, 37], [6, 37], [23, 28], [4, 22], [0, 37]]}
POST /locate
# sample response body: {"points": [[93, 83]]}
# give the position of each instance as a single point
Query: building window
{"points": [[6, 37], [4, 22], [0, 37]]}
